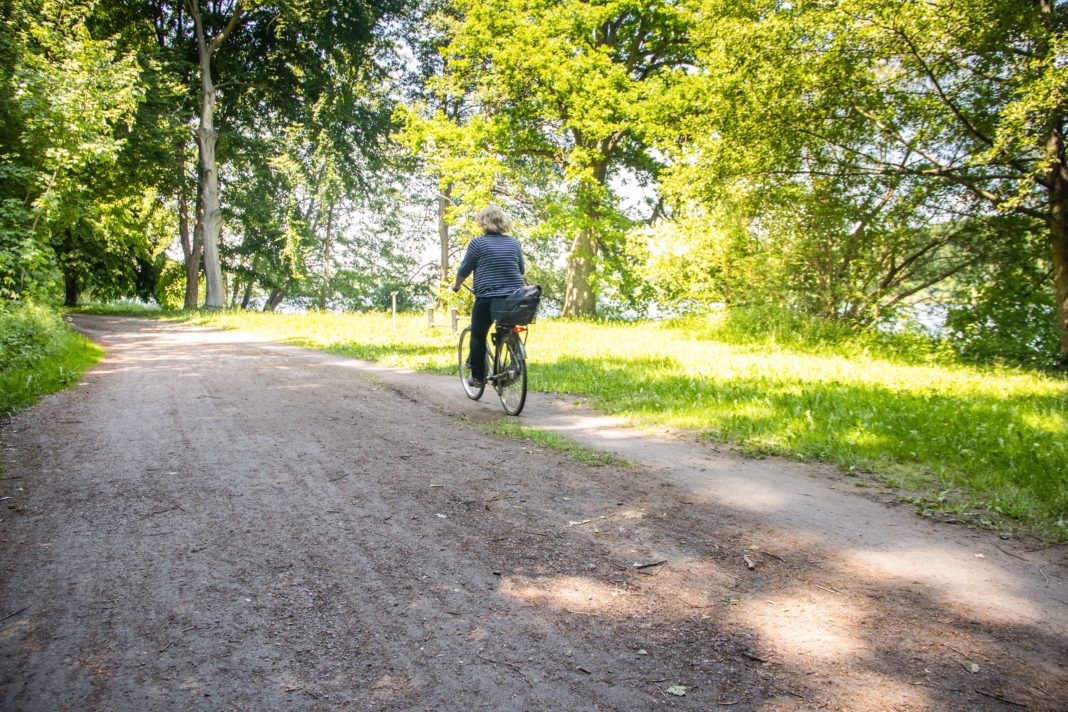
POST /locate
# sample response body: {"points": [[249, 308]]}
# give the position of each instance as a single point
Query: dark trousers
{"points": [[480, 324]]}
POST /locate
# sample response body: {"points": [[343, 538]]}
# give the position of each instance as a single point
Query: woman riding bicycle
{"points": [[497, 262]]}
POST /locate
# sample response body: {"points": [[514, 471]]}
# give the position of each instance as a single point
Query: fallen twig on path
{"points": [[309, 693], [651, 565], [507, 664], [163, 511], [1009, 553], [12, 615], [958, 652], [1001, 699]]}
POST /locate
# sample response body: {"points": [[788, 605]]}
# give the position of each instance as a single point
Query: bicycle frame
{"points": [[499, 334], [506, 351]]}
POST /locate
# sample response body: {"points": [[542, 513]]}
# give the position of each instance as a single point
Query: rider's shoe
{"points": [[475, 382]]}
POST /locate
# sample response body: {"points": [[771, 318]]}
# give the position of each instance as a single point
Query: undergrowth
{"points": [[39, 354]]}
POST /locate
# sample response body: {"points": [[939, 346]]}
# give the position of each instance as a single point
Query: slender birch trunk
{"points": [[327, 256], [444, 200], [192, 247]]}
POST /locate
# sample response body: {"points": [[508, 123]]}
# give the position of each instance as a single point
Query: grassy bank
{"points": [[974, 443], [39, 354]]}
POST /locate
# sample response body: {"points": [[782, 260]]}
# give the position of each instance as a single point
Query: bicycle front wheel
{"points": [[463, 351], [510, 369]]}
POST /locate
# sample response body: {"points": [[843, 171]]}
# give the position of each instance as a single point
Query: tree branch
{"points": [[897, 299], [221, 37], [938, 88]]}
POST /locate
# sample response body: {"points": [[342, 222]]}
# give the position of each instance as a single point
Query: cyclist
{"points": [[497, 262]]}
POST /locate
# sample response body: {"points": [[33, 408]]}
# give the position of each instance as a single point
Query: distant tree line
{"points": [[842, 158]]}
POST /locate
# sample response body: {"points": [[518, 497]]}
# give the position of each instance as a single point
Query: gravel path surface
{"points": [[212, 522]]}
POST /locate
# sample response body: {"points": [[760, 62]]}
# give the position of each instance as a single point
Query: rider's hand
{"points": [[455, 288]]}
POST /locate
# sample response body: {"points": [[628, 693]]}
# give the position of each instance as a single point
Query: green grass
{"points": [[39, 354], [558, 443], [984, 443]]}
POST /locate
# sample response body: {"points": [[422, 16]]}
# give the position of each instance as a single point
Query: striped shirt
{"points": [[497, 263]]}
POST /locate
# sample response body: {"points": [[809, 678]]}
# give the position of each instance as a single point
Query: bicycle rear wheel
{"points": [[510, 369], [463, 351]]}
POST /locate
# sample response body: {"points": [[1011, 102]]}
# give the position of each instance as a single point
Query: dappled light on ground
{"points": [[813, 631], [388, 561], [593, 422], [570, 593], [804, 625], [964, 578]]}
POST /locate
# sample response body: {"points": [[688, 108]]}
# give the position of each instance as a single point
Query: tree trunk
{"points": [[1057, 183], [580, 300], [327, 244], [65, 251], [191, 251], [71, 292], [211, 211], [247, 296], [1058, 225], [444, 199], [210, 216], [274, 300]]}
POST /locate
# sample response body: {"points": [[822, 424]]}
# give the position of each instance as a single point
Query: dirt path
{"points": [[210, 522]]}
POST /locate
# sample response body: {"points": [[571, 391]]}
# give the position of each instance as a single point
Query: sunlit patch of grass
{"points": [[124, 308], [902, 409], [569, 448]]}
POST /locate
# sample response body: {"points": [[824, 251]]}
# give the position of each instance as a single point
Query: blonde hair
{"points": [[494, 220]]}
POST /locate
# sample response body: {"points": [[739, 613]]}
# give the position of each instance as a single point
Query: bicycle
{"points": [[508, 371]]}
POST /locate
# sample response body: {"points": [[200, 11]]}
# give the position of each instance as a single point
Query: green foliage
{"points": [[39, 354], [844, 158], [170, 288], [872, 149], [1011, 321], [71, 95], [562, 97], [697, 259], [299, 203]]}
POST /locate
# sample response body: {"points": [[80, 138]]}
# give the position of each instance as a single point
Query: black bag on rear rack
{"points": [[518, 308]]}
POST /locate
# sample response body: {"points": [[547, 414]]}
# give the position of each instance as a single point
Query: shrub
{"points": [[39, 354]]}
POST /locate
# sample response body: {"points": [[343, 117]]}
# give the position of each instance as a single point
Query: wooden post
{"points": [[455, 319], [393, 297], [430, 317]]}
